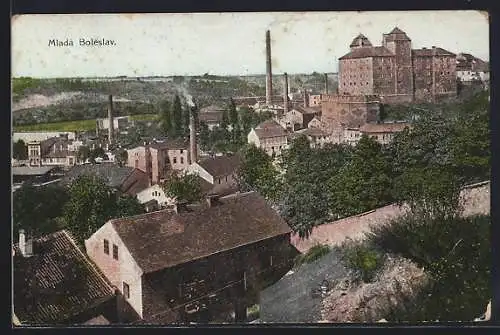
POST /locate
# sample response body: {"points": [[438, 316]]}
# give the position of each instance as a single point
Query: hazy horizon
{"points": [[224, 44]]}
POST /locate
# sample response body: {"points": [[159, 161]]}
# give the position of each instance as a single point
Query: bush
{"points": [[363, 259], [455, 252], [316, 252]]}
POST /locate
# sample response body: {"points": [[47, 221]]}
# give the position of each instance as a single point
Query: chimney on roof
{"points": [[181, 206], [285, 95], [110, 117], [326, 83], [193, 148], [269, 75], [212, 200], [25, 244]]}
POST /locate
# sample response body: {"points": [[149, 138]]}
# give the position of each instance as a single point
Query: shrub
{"points": [[363, 259], [455, 252], [316, 252]]}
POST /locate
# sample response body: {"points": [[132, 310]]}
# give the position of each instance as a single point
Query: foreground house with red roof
{"points": [[196, 263]]}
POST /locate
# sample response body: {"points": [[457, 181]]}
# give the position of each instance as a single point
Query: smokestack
{"points": [[285, 95], [25, 244], [306, 98], [193, 149], [111, 123], [269, 75], [326, 83]]}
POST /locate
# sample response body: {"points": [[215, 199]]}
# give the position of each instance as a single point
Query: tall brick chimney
{"points": [[326, 83], [306, 98], [193, 149], [269, 75], [285, 94], [111, 127]]}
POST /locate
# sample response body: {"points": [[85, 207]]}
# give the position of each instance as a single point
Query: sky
{"points": [[225, 43]]}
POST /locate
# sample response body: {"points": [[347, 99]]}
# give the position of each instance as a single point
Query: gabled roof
{"points": [[57, 282], [269, 128], [170, 144], [164, 239], [313, 132], [31, 170], [221, 165], [366, 52], [114, 175], [360, 41]]}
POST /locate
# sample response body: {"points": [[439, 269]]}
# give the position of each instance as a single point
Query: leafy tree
{"points": [[258, 173], [364, 183], [165, 117], [20, 150], [121, 157], [98, 152], [183, 186], [35, 208], [232, 113], [177, 117], [225, 119], [204, 136], [91, 203]]}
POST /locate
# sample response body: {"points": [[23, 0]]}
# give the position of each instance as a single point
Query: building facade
{"points": [[54, 151], [269, 136]]}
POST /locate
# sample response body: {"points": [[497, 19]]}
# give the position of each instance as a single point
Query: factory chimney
{"points": [[193, 149], [326, 83], [111, 127], [269, 75], [306, 98], [285, 95]]}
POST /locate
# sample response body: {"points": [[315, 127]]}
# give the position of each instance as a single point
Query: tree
{"points": [[232, 113], [35, 208], [183, 186], [98, 152], [177, 119], [121, 157], [258, 173], [364, 183], [204, 136], [225, 119], [165, 117], [20, 150], [91, 203]]}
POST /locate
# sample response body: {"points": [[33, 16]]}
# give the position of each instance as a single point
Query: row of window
{"points": [[182, 159], [106, 249]]}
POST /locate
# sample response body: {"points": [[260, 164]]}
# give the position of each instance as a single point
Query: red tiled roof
{"points": [[269, 128], [57, 282], [164, 239], [221, 165], [365, 52]]}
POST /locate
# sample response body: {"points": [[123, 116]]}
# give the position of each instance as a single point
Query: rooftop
{"points": [[198, 232], [383, 127], [57, 282], [313, 132], [365, 52], [31, 171], [434, 51], [113, 175], [221, 165], [269, 128]]}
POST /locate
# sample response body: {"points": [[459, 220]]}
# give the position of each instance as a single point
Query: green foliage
{"points": [[20, 150], [232, 114], [165, 117], [363, 259], [455, 252], [204, 136], [77, 125], [177, 119], [258, 173], [91, 203], [83, 153], [364, 182], [19, 85], [313, 254], [35, 209], [183, 187], [121, 157]]}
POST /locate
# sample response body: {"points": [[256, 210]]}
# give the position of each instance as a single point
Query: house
{"points": [[315, 100], [157, 158], [470, 68], [156, 193], [38, 136], [120, 123], [220, 172], [195, 263], [34, 174], [298, 118], [270, 136], [317, 137], [56, 284], [54, 151], [315, 122], [122, 178], [211, 116]]}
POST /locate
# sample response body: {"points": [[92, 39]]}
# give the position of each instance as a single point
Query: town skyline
{"points": [[301, 42]]}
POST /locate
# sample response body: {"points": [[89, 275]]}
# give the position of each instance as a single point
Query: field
{"points": [[78, 125]]}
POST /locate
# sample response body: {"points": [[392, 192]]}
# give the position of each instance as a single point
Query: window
{"points": [[182, 151], [175, 160], [115, 251], [106, 247], [218, 180], [126, 290], [136, 163], [182, 160], [226, 179]]}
